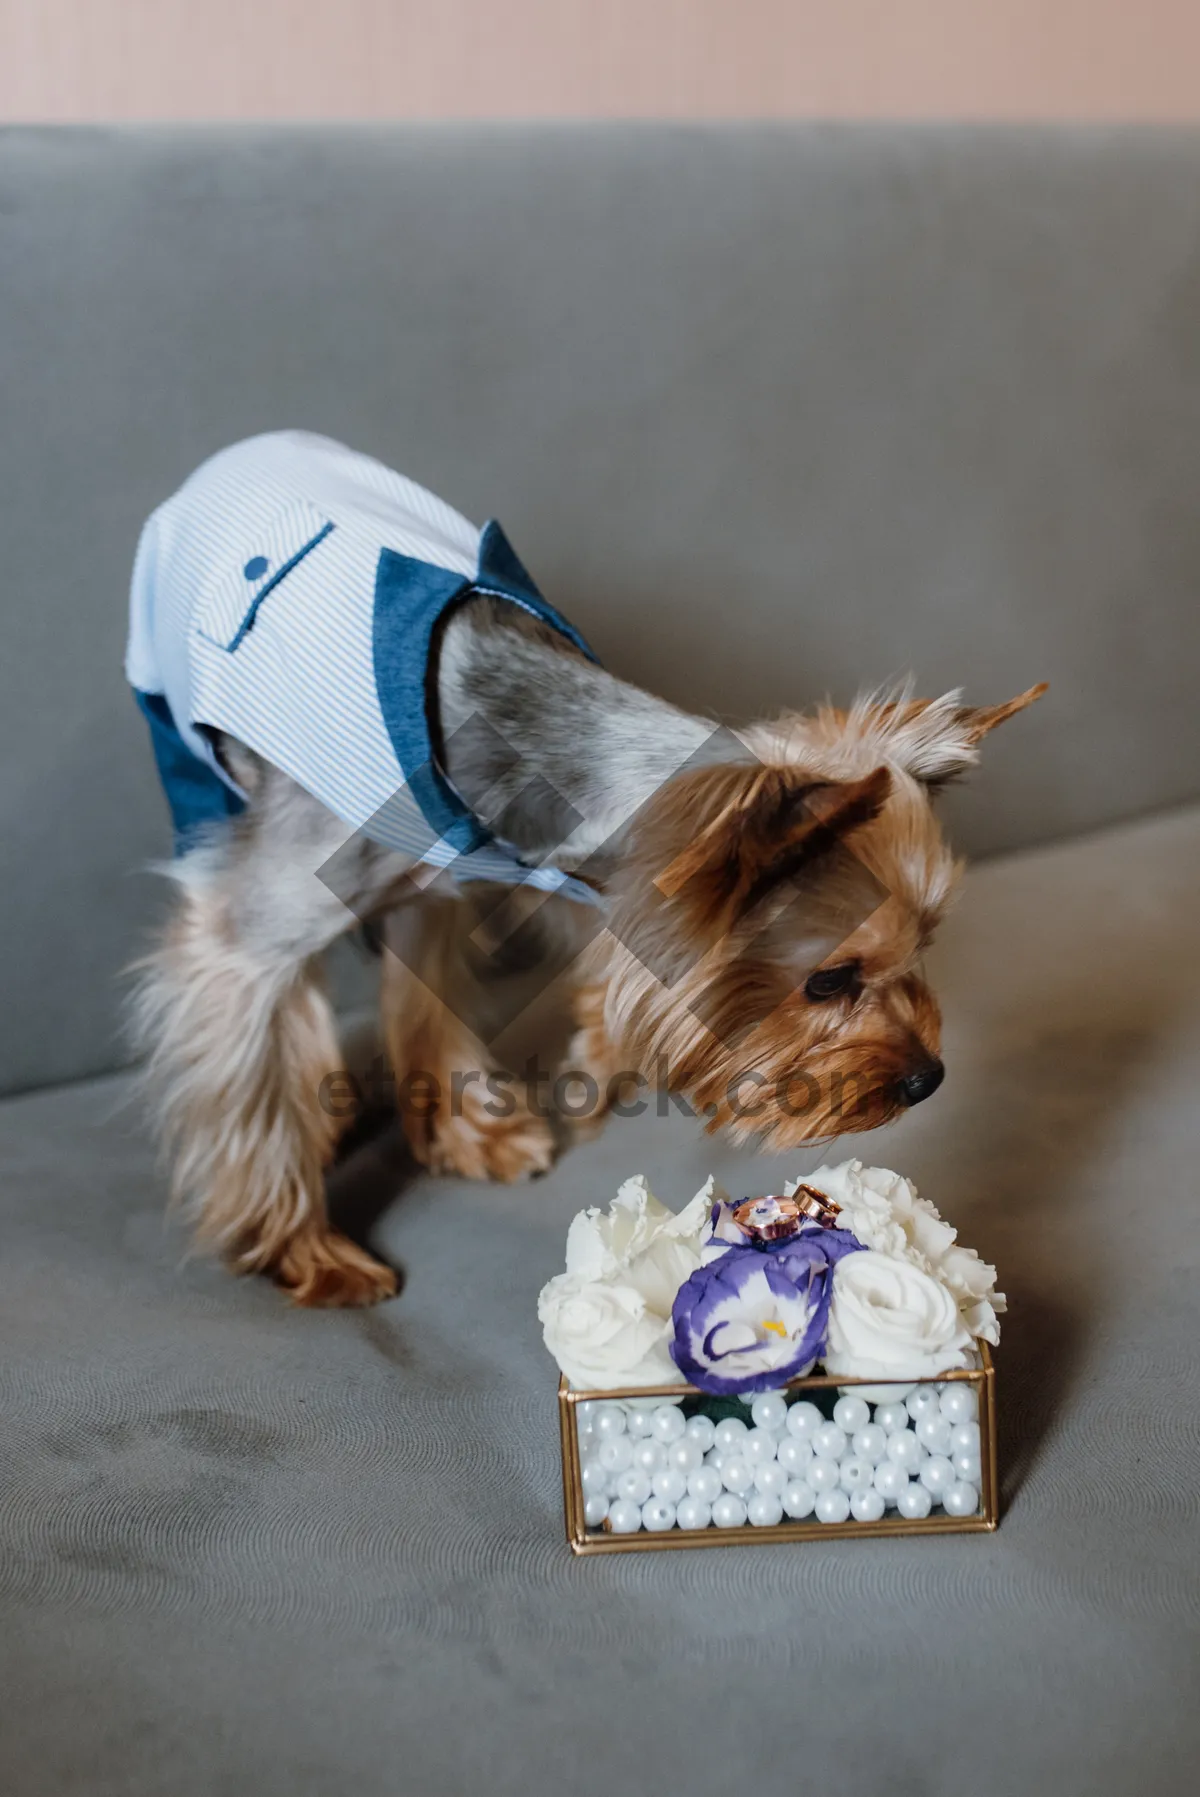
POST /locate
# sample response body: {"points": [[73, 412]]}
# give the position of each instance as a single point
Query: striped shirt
{"points": [[288, 595]]}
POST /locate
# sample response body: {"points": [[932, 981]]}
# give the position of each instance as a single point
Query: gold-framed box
{"points": [[584, 1540]]}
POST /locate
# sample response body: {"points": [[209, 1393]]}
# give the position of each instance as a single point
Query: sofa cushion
{"points": [[250, 1548], [770, 410]]}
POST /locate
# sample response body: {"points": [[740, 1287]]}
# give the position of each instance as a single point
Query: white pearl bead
{"points": [[705, 1485], [693, 1513], [701, 1430], [770, 1478], [632, 1484], [639, 1421], [799, 1498], [668, 1423], [914, 1501], [967, 1467], [856, 1475], [965, 1438], [595, 1509], [803, 1420], [890, 1480], [737, 1475], [866, 1506], [794, 1456], [769, 1411], [608, 1419], [870, 1443], [921, 1401], [892, 1417], [829, 1442], [624, 1517], [904, 1450], [685, 1454], [962, 1499], [937, 1475], [832, 1506], [658, 1515], [823, 1475], [851, 1413], [764, 1510], [716, 1458], [933, 1432], [585, 1410], [649, 1455], [615, 1453], [670, 1484], [593, 1478], [729, 1512], [957, 1403], [758, 1447], [729, 1433]]}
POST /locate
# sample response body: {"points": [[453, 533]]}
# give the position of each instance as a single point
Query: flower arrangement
{"points": [[849, 1269]]}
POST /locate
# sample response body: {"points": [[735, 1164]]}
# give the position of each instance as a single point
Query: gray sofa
{"points": [[772, 412]]}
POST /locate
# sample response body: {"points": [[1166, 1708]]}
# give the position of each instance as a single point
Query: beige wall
{"points": [[198, 59]]}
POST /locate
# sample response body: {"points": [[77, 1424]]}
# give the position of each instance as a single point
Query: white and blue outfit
{"points": [[288, 595]]}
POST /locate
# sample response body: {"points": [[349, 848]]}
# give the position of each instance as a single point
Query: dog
{"points": [[340, 673]]}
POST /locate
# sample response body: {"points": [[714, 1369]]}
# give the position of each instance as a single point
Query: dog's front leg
{"points": [[594, 1057], [460, 1113]]}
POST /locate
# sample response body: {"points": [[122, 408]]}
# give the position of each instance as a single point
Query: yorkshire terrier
{"points": [[767, 894]]}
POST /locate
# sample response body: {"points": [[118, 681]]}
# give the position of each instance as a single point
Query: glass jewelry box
{"points": [[825, 1457]]}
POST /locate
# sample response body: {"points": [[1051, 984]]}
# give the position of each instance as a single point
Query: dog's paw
{"points": [[328, 1271], [476, 1144]]}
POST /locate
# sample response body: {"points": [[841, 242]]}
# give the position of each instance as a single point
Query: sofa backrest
{"points": [[769, 411]]}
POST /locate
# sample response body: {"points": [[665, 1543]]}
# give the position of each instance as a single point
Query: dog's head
{"points": [[771, 916]]}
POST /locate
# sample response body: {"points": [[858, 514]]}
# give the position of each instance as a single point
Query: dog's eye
{"points": [[832, 982]]}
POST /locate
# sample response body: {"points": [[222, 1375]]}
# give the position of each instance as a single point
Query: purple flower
{"points": [[756, 1317], [722, 1231], [833, 1242]]}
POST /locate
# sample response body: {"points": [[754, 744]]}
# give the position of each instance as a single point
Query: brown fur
{"points": [[245, 1059], [703, 988], [736, 883], [445, 1118]]}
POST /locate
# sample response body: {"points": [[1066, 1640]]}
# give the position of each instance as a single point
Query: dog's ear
{"points": [[817, 816], [752, 828], [936, 740]]}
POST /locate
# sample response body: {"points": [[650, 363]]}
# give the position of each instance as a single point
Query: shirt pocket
{"points": [[226, 613]]}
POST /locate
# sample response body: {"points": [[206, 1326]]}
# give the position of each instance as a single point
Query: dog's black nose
{"points": [[922, 1084]]}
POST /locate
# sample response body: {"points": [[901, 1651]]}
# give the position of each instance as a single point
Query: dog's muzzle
{"points": [[915, 1087]]}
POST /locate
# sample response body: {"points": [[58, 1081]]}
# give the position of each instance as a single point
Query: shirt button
{"points": [[256, 567]]}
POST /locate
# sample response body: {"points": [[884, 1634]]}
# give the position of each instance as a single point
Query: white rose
{"points": [[890, 1320], [603, 1335], [607, 1319], [883, 1210]]}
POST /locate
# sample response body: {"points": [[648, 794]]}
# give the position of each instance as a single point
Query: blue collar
{"points": [[411, 599]]}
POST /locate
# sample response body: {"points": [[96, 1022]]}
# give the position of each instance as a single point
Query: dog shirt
{"points": [[288, 595]]}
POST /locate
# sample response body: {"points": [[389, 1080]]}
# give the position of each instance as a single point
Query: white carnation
{"points": [[607, 1319], [883, 1210]]}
